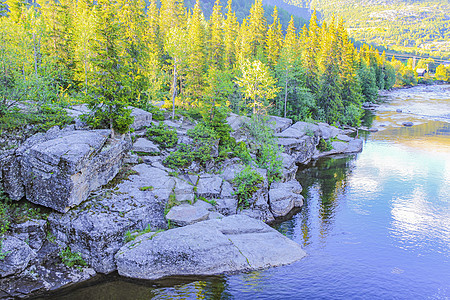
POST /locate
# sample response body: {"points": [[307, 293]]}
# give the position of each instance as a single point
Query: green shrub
{"points": [[163, 135], [17, 212], [72, 259], [132, 235], [181, 158], [241, 151], [324, 146], [204, 140], [246, 182], [157, 114]]}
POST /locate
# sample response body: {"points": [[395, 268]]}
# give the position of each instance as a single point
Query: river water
{"points": [[375, 225]]}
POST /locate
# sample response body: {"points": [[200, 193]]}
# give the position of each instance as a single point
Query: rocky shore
{"points": [[114, 206]]}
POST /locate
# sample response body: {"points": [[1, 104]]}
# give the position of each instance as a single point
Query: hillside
{"points": [[414, 26], [242, 8]]}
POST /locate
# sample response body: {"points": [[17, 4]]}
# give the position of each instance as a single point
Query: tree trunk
{"points": [[285, 94], [174, 93], [85, 67]]}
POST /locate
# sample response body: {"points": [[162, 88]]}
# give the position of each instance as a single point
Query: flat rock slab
{"points": [[229, 245], [278, 124], [143, 145], [186, 214]]}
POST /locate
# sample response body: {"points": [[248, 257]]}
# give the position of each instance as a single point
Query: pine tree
{"points": [[216, 37], [257, 29], [231, 28], [175, 45], [108, 102], [329, 97], [196, 54], [171, 14], [274, 39], [133, 21], [287, 60], [310, 54], [83, 34], [58, 44]]}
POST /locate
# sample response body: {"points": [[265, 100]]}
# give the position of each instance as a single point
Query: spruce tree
{"points": [[231, 28], [274, 39], [108, 102], [196, 54]]}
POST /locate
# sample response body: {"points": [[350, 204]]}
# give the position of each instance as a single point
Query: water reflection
{"points": [[115, 287], [325, 182]]}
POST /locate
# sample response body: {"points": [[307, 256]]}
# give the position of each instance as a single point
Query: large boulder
{"points": [[284, 197], [60, 168], [17, 256], [142, 118], [228, 245], [97, 228], [278, 124]]}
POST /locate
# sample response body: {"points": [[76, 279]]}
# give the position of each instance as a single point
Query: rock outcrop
{"points": [[232, 244], [60, 168]]}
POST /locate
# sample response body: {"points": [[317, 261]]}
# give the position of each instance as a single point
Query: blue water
{"points": [[375, 225]]}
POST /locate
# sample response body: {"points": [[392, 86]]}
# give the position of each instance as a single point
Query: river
{"points": [[375, 225]]}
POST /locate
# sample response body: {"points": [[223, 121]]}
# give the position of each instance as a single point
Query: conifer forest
{"points": [[113, 54]]}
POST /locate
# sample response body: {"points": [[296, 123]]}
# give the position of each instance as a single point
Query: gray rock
{"points": [[302, 150], [284, 197], [230, 171], [344, 138], [258, 206], [32, 232], [408, 124], [77, 110], [228, 245], [278, 124], [203, 204], [184, 192], [209, 186], [215, 215], [97, 228], [38, 279], [10, 175], [162, 183], [226, 206], [60, 169], [237, 124], [328, 131], [145, 146], [186, 214], [142, 118], [399, 110], [17, 256]]}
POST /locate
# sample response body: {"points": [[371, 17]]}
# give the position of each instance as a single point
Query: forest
{"points": [[113, 54]]}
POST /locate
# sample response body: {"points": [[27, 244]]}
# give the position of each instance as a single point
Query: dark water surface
{"points": [[375, 225]]}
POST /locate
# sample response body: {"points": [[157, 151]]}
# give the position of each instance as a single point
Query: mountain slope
{"points": [[242, 10], [415, 26]]}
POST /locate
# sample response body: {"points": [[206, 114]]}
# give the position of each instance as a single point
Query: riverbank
{"points": [[70, 171]]}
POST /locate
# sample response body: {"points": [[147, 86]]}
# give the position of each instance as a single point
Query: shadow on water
{"points": [[113, 286]]}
